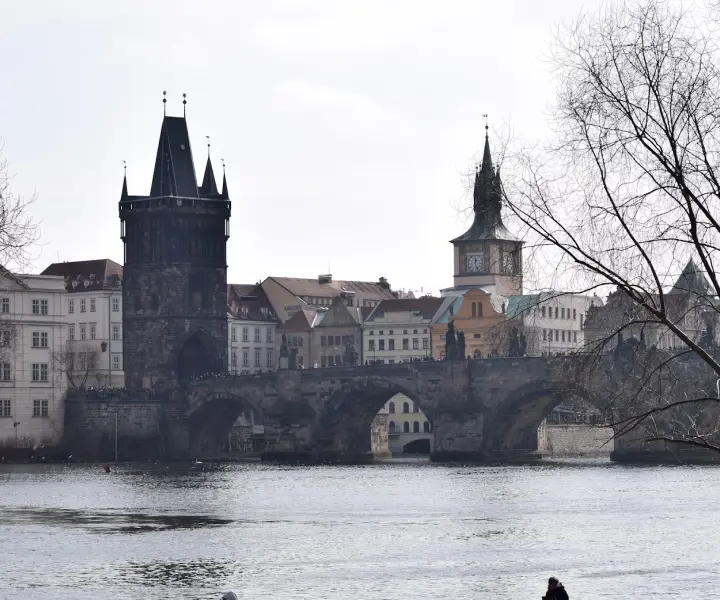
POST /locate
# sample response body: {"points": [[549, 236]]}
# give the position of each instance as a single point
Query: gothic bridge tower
{"points": [[175, 275]]}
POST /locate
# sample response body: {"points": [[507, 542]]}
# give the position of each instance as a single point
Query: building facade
{"points": [[296, 334], [33, 381], [487, 255], [336, 335], [252, 324], [288, 295], [94, 317], [175, 269], [408, 429], [399, 330]]}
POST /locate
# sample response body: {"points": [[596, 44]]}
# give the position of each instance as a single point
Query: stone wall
{"points": [[574, 440]]}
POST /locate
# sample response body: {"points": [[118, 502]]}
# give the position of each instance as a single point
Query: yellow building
{"points": [[480, 316]]}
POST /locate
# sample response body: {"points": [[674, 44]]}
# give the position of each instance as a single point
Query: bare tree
{"points": [[627, 198], [76, 362]]}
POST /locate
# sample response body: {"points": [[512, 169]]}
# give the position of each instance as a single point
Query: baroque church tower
{"points": [[175, 273], [487, 255]]}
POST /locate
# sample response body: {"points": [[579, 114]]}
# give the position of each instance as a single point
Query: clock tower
{"points": [[487, 255]]}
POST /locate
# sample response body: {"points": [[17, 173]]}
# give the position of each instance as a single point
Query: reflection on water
{"points": [[380, 532]]}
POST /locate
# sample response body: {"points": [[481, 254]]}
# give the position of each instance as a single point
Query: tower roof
{"points": [[487, 203], [174, 173], [692, 280]]}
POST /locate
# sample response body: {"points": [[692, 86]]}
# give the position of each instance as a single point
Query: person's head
{"points": [[553, 583]]}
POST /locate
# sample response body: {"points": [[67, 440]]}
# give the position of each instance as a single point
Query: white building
{"points": [[401, 427], [32, 334], [553, 322], [94, 316], [252, 323], [399, 330]]}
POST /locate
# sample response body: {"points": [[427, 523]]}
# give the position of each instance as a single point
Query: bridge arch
{"points": [[344, 424], [212, 416], [515, 426]]}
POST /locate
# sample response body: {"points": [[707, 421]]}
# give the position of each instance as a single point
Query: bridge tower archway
{"points": [[198, 355]]}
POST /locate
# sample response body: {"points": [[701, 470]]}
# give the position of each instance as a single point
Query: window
{"points": [[71, 331], [371, 344], [233, 334], [116, 332], [391, 408], [5, 373], [116, 304], [337, 340], [391, 344], [269, 336], [270, 357], [416, 344], [323, 361], [416, 427], [581, 320], [557, 335], [39, 339], [563, 335], [426, 427], [406, 344], [93, 331], [83, 327], [246, 358], [574, 314], [40, 408], [391, 427], [426, 343], [116, 362], [71, 306], [5, 408], [415, 331], [83, 304], [562, 313], [5, 305], [543, 311], [40, 307], [39, 372], [474, 309], [322, 340], [556, 312], [234, 359], [544, 335], [92, 304], [424, 330], [406, 407], [406, 427], [257, 358], [574, 336], [244, 334], [257, 334], [479, 309], [381, 344]]}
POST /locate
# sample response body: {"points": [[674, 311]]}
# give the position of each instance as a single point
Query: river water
{"points": [[393, 531]]}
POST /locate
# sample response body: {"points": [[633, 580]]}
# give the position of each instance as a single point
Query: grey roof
{"points": [[208, 189], [174, 173], [488, 196], [312, 287], [692, 280]]}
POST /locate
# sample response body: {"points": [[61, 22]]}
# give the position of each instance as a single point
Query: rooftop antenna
{"points": [[184, 104], [164, 103], [486, 124], [222, 160], [207, 137], [125, 168]]}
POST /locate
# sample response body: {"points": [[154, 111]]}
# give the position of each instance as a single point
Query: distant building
{"points": [[94, 316], [288, 295], [296, 333], [551, 322], [33, 381], [408, 430], [336, 337], [399, 330], [252, 323]]}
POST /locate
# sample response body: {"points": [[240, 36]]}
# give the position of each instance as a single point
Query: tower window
{"points": [[155, 301], [196, 290]]}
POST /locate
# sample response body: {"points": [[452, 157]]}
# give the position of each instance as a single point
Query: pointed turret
{"points": [[487, 203], [692, 280], [174, 173], [208, 189], [124, 193], [224, 194]]}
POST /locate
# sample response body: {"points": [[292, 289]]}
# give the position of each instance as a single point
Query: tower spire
{"points": [[224, 194], [486, 167], [124, 193], [208, 189]]}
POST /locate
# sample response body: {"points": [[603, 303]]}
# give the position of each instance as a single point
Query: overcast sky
{"points": [[345, 126]]}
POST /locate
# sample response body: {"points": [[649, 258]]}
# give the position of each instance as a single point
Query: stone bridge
{"points": [[479, 409]]}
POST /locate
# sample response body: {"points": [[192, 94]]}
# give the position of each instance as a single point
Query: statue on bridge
{"points": [[517, 345], [283, 363], [292, 359], [460, 345], [451, 347], [351, 356]]}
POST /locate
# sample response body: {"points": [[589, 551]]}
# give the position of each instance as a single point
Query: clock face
{"points": [[475, 262]]}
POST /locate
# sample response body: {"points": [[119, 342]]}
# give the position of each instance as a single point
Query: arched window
{"points": [[416, 427], [474, 309], [426, 426], [391, 408], [406, 407], [406, 427], [391, 427], [479, 309]]}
